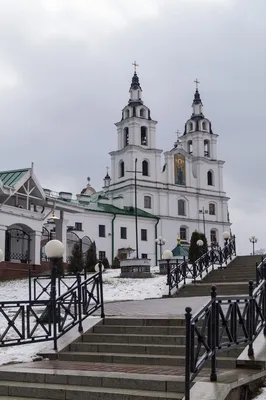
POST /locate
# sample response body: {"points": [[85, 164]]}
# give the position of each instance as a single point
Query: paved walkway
{"points": [[168, 307]]}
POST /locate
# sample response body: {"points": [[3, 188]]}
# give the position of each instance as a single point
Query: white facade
{"points": [[176, 191]]}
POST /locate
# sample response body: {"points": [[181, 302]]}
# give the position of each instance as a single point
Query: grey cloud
{"points": [[71, 87]]}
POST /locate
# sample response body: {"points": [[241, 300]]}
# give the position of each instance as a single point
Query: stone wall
{"points": [[9, 270]]}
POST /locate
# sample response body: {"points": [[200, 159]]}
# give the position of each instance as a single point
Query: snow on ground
{"points": [[262, 395], [115, 289]]}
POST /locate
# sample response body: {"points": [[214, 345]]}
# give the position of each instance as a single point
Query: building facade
{"points": [[175, 193]]}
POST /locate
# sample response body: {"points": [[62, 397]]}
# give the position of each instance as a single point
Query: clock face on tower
{"points": [[180, 169]]}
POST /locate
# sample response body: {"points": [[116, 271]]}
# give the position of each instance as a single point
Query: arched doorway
{"points": [[72, 240], [18, 244]]}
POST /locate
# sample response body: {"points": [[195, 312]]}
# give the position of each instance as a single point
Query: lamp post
{"points": [[167, 256], [100, 268], [136, 205], [226, 236], [160, 242], [253, 240], [203, 212], [54, 250]]}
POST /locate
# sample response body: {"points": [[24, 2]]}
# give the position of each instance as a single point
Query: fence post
{"points": [[221, 257], [169, 277], [101, 288], [250, 319], [184, 270], [188, 350], [30, 297], [264, 295], [53, 301], [79, 302], [214, 327], [194, 266]]}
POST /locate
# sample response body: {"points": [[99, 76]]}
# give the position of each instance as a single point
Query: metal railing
{"points": [[224, 323], [44, 320], [40, 286], [181, 272]]}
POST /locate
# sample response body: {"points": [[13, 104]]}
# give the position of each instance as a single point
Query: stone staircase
{"points": [[119, 359], [232, 280]]}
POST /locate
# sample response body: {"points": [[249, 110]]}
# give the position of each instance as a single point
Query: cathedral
{"points": [[175, 193], [183, 187]]}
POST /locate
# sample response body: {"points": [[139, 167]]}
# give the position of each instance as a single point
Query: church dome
{"points": [[89, 190]]}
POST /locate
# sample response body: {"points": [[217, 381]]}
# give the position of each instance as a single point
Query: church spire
{"points": [[197, 103], [135, 88]]}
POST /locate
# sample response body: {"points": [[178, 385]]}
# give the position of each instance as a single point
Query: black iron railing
{"points": [[40, 286], [225, 322], [42, 320], [180, 273]]}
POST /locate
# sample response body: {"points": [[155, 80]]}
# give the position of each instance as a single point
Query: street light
{"points": [[200, 244], [253, 240], [203, 212], [54, 250], [1, 255], [160, 242], [167, 256], [226, 236]]}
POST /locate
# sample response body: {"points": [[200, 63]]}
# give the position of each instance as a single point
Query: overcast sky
{"points": [[65, 71]]}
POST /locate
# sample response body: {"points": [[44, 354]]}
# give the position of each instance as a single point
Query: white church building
{"points": [[176, 192]]}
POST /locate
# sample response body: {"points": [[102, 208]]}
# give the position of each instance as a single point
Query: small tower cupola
{"points": [[135, 88], [107, 180], [197, 103]]}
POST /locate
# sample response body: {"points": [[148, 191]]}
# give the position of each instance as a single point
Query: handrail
{"points": [[45, 320], [223, 323], [179, 273]]}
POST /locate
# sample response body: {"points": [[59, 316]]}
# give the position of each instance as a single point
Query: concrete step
{"points": [[61, 392], [134, 338], [204, 289], [153, 349], [99, 378], [140, 359], [145, 322], [142, 330]]}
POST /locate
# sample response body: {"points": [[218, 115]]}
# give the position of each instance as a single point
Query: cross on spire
{"points": [[197, 83], [135, 66], [177, 134], [107, 170]]}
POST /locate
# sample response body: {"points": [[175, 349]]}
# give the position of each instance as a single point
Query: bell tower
{"points": [[136, 134]]}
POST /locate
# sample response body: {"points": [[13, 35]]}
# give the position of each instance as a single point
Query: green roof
{"points": [[179, 251], [109, 208], [10, 178]]}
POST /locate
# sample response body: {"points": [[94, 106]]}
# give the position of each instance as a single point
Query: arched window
{"points": [[127, 113], [206, 148], [181, 207], [190, 126], [143, 136], [147, 201], [190, 147], [183, 233], [121, 169], [126, 137], [145, 168], [212, 210], [142, 112], [204, 126], [210, 178], [213, 236]]}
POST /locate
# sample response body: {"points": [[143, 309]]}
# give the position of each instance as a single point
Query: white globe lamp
{"points": [[226, 235], [200, 243], [1, 255], [97, 268], [167, 255], [54, 249]]}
